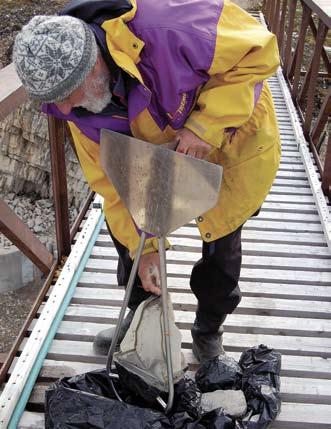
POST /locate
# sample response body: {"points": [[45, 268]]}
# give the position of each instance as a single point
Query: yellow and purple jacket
{"points": [[199, 64]]}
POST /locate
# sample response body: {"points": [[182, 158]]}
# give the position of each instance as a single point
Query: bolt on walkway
{"points": [[285, 281]]}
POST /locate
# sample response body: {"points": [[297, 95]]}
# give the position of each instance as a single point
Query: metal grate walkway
{"points": [[286, 286]]}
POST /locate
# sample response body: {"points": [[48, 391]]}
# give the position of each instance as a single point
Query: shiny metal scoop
{"points": [[162, 189]]}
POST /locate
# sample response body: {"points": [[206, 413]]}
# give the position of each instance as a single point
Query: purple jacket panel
{"points": [[178, 52], [139, 98], [257, 92], [91, 125]]}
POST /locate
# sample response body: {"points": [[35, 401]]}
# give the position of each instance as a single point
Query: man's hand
{"points": [[190, 144], [149, 272]]}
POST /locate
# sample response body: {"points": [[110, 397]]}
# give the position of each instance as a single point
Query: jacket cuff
{"points": [[206, 133], [151, 245]]}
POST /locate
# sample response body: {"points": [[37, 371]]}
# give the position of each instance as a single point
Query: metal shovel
{"points": [[163, 190]]}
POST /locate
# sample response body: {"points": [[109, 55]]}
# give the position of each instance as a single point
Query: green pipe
{"points": [[30, 382]]}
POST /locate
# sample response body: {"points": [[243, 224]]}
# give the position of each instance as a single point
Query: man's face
{"points": [[94, 94]]}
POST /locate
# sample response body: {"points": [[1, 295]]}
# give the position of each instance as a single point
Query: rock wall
{"points": [[25, 157]]}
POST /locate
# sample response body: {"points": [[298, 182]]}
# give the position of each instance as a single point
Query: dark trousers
{"points": [[214, 278]]}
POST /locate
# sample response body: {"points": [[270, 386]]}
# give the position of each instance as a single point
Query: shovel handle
{"points": [[164, 299], [127, 295]]}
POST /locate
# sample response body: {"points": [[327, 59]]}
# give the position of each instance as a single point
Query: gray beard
{"points": [[97, 104]]}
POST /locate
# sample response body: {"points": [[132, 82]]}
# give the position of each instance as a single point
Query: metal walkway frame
{"points": [[285, 281]]}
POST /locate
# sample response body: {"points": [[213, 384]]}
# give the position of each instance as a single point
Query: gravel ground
{"points": [[14, 14], [38, 214], [15, 307]]}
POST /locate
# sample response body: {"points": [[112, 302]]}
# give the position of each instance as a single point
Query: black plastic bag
{"points": [[143, 394], [187, 398], [96, 382], [217, 419], [261, 385], [69, 408], [223, 373], [87, 401]]}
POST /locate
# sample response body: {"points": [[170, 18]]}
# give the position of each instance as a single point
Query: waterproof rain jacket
{"points": [[199, 64]]}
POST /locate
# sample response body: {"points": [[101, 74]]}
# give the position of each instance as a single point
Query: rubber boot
{"points": [[103, 339], [207, 337]]}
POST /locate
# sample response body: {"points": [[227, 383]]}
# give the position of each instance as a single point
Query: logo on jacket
{"points": [[180, 109]]}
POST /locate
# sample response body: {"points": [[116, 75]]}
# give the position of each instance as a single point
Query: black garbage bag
{"points": [[69, 408], [182, 420], [97, 382], [217, 419], [187, 398], [261, 385], [87, 401], [222, 372], [142, 393], [187, 395]]}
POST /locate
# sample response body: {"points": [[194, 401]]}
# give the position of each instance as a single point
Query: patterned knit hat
{"points": [[53, 55]]}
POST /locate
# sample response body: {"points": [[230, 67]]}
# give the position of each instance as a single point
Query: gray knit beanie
{"points": [[53, 55]]}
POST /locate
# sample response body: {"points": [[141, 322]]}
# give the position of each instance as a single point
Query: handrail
{"points": [[303, 73], [322, 10], [17, 232], [12, 95]]}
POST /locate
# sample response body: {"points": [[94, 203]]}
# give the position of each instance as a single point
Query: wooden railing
{"points": [[12, 95], [302, 28]]}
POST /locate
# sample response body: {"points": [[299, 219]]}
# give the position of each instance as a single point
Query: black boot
{"points": [[103, 339], [207, 337]]}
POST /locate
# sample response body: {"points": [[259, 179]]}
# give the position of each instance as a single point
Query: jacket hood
{"points": [[96, 11]]}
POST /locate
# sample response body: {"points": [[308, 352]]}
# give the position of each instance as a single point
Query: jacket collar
{"points": [[123, 45]]}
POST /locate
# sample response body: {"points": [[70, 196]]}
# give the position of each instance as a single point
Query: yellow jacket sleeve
{"points": [[117, 215], [246, 53]]}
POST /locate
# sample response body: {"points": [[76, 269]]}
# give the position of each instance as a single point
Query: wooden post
{"points": [[322, 119], [288, 48], [59, 182], [281, 32], [300, 49], [313, 74], [326, 176], [276, 19]]}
